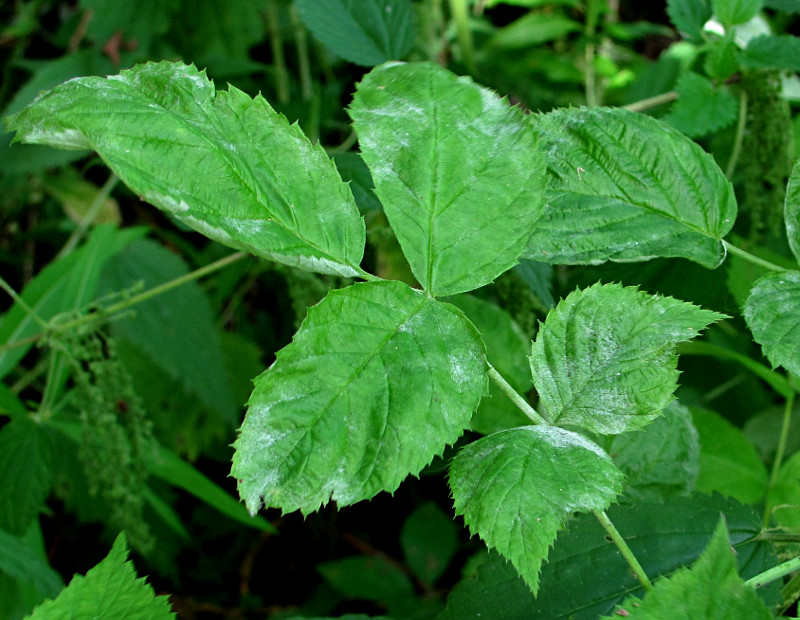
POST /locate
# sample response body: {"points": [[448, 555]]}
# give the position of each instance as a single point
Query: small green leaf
{"points": [[689, 16], [710, 590], [627, 187], [729, 462], [701, 108], [733, 12], [109, 591], [224, 164], [377, 381], [605, 357], [722, 58], [776, 51], [366, 32], [19, 561], [791, 211], [429, 540], [369, 578], [458, 171], [533, 29], [516, 489], [772, 313]]}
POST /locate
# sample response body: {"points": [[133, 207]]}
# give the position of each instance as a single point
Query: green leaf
{"points": [[791, 211], [626, 187], [785, 495], [777, 51], [429, 540], [772, 313], [701, 108], [710, 590], [732, 12], [458, 171], [787, 6], [26, 473], [722, 60], [689, 16], [662, 460], [220, 162], [17, 560], [371, 578], [141, 20], [109, 591], [366, 32], [729, 462], [355, 171], [516, 488], [604, 358], [533, 29], [377, 381]]}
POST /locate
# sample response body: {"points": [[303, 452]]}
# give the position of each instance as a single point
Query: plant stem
{"points": [[301, 42], [515, 397], [779, 452], [89, 216], [651, 102], [460, 13], [749, 257], [624, 549], [790, 593], [776, 572], [22, 303], [278, 60], [737, 141]]}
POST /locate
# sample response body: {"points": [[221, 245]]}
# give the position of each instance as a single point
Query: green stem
{"points": [[651, 102], [780, 451], [301, 42], [624, 549], [460, 13], [22, 303], [278, 60], [89, 216], [776, 572], [737, 141], [515, 397], [790, 593], [749, 257]]}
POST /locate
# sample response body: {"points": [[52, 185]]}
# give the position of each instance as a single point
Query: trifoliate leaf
{"points": [[366, 32], [458, 171], [516, 488], [772, 313], [109, 591], [689, 16], [732, 12], [224, 164], [627, 187], [775, 51], [605, 360], [701, 108], [377, 381], [710, 590]]}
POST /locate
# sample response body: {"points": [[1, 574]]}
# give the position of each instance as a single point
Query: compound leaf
{"points": [[377, 381], [605, 360], [224, 164], [458, 171], [516, 488], [628, 187], [772, 312], [366, 32]]}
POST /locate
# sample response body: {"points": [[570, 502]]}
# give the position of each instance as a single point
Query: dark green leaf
{"points": [[533, 29], [702, 108], [429, 540], [780, 51], [20, 562], [458, 171], [626, 187], [141, 20], [370, 578], [366, 32], [689, 16], [377, 381], [785, 496]]}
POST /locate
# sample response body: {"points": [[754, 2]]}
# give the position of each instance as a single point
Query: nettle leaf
{"points": [[778, 51], [732, 12], [458, 171], [711, 590], [224, 164], [627, 187], [366, 32], [791, 211], [702, 108], [605, 360], [689, 16], [772, 313], [377, 381], [516, 488]]}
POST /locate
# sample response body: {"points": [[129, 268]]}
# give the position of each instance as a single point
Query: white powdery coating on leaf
{"points": [[67, 139], [167, 202], [209, 230], [317, 264], [561, 438]]}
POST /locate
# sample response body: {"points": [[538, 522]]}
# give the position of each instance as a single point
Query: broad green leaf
{"points": [[568, 587], [26, 473], [458, 171], [604, 359], [224, 164], [710, 590], [729, 462], [429, 540], [109, 591], [517, 488], [662, 460], [377, 381], [777, 51], [627, 187], [371, 578], [791, 211], [772, 313], [17, 560], [785, 496], [732, 12], [689, 16], [366, 32], [702, 107]]}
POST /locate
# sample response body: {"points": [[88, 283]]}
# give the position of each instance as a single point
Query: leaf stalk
{"points": [[624, 549]]}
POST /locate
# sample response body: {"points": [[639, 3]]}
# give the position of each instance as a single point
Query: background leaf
{"points": [[605, 358], [224, 164], [785, 495], [625, 187], [732, 12], [429, 540], [377, 381], [366, 32], [702, 107], [791, 211], [779, 51], [17, 560], [457, 169], [516, 488], [689, 16]]}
